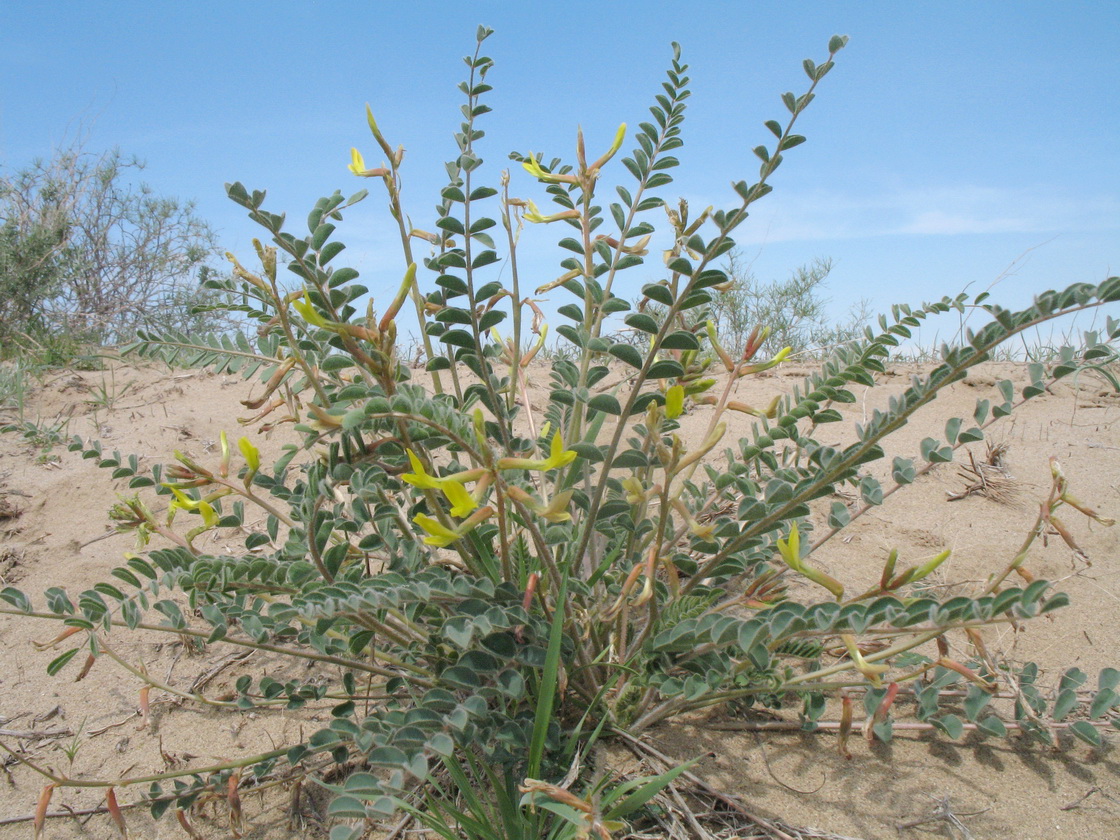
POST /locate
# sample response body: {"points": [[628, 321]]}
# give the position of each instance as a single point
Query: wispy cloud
{"points": [[934, 211]]}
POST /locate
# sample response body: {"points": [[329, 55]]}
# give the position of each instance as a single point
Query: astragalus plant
{"points": [[494, 581]]}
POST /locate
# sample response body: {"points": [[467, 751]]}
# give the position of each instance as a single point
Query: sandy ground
{"points": [[54, 531]]}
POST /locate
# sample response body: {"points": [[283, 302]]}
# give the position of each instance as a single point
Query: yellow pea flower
{"points": [[439, 534], [556, 511], [307, 311], [462, 503], [635, 490], [358, 166], [536, 217], [871, 672], [558, 457], [790, 550], [200, 506], [615, 146], [419, 477], [223, 469], [781, 356], [533, 167], [252, 457], [674, 402]]}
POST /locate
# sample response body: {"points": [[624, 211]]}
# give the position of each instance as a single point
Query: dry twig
{"points": [[988, 478], [1077, 802], [943, 812]]}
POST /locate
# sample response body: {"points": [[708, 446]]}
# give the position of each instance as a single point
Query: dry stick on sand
{"points": [[1094, 789], [943, 812], [988, 477]]}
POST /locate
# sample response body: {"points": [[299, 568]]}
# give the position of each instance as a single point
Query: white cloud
{"points": [[934, 211]]}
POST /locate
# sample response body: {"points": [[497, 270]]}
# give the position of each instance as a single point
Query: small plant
{"points": [[42, 434], [499, 583], [15, 384], [72, 747], [105, 395]]}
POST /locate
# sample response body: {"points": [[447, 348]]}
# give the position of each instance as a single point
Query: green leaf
{"points": [[1109, 678], [486, 258], [993, 726], [1104, 700], [347, 808], [951, 725], [839, 516], [647, 788], [935, 453], [680, 340], [658, 292], [871, 491], [59, 662], [981, 412], [1086, 732], [975, 702], [902, 471], [330, 251], [631, 458], [666, 369], [641, 322], [680, 265], [627, 353], [1066, 702], [1073, 678], [605, 403], [546, 695], [952, 429], [971, 435], [491, 319]]}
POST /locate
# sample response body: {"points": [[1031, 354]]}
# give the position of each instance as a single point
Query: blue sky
{"points": [[953, 141]]}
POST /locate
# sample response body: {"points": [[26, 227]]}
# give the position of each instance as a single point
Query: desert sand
{"points": [[54, 531]]}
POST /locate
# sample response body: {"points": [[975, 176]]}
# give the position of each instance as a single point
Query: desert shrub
{"points": [[88, 257], [496, 583], [794, 310]]}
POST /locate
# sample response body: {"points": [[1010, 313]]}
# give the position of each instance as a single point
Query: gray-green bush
{"points": [[87, 257]]}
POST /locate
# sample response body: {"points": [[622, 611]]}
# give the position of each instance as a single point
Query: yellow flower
{"points": [[790, 549], [252, 457], [556, 511], [223, 471], [674, 402], [462, 503], [358, 166], [777, 360], [307, 311], [439, 535], [873, 673], [535, 216], [537, 171], [635, 490], [419, 477], [185, 502], [558, 457], [615, 146]]}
